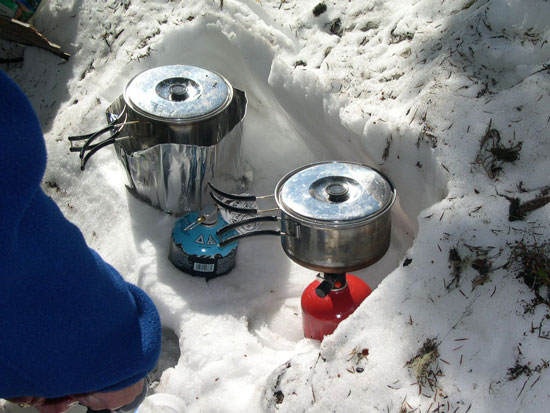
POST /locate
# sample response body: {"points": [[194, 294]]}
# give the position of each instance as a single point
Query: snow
{"points": [[410, 87]]}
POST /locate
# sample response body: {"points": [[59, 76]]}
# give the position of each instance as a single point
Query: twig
{"points": [[414, 115], [535, 382], [523, 387]]}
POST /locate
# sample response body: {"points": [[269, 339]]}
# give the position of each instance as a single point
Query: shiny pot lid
{"points": [[335, 193], [178, 93]]}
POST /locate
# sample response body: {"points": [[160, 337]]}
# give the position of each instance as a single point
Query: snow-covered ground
{"points": [[449, 98]]}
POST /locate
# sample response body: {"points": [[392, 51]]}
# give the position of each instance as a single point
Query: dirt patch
{"points": [[478, 259], [425, 365], [493, 153], [319, 9], [532, 263]]}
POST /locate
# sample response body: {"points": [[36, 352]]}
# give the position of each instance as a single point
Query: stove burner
{"points": [[329, 300], [331, 282]]}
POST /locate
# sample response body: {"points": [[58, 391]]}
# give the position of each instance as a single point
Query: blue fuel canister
{"points": [[195, 246]]}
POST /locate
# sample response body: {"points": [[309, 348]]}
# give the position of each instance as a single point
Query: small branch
{"points": [[25, 34]]}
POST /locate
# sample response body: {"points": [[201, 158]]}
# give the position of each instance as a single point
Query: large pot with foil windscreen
{"points": [[176, 128]]}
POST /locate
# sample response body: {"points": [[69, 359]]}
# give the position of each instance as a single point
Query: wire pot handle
{"points": [[89, 148], [228, 241], [294, 230], [237, 197], [238, 224], [253, 211]]}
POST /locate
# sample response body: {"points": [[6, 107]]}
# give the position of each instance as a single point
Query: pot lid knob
{"points": [[337, 192], [178, 92]]}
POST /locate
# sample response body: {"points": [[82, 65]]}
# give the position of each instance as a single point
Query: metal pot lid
{"points": [[335, 192], [178, 93]]}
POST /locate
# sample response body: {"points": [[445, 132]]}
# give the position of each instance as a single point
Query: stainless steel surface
{"points": [[178, 93], [336, 249], [171, 146], [148, 131], [353, 227], [355, 237], [334, 192]]}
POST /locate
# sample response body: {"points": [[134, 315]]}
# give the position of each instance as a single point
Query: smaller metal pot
{"points": [[334, 216]]}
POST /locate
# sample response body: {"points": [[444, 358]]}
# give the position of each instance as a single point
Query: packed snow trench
{"points": [[448, 98], [234, 331]]}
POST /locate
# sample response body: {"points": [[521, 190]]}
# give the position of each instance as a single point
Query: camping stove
{"points": [[329, 300], [195, 248], [334, 217]]}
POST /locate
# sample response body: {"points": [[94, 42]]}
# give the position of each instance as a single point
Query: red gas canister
{"points": [[325, 304]]}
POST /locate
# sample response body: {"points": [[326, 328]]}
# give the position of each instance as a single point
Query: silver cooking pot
{"points": [[334, 216], [174, 129]]}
